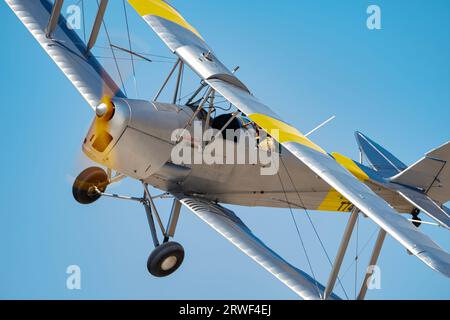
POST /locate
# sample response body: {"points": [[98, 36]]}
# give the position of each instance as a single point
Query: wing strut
{"points": [[97, 24], [167, 80], [372, 263], [341, 253], [54, 18], [179, 79]]}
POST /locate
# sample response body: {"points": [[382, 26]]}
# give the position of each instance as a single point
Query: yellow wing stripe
{"points": [[161, 9], [282, 132], [351, 166], [334, 201]]}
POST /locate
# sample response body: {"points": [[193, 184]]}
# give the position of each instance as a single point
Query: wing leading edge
{"points": [[226, 223], [192, 49]]}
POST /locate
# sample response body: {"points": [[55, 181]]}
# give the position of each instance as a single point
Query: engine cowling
{"points": [[133, 136]]}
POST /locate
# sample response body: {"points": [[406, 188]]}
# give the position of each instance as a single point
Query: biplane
{"points": [[133, 138]]}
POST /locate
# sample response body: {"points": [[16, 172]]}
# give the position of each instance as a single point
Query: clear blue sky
{"points": [[308, 60]]}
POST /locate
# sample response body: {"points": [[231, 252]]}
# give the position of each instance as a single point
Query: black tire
{"points": [[83, 186], [165, 259]]}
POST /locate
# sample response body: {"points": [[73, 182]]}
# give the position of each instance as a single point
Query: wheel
{"points": [[165, 259], [83, 187]]}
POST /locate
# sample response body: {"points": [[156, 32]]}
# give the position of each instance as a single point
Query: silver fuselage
{"points": [[139, 145]]}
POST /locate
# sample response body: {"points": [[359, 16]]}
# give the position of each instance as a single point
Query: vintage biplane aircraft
{"points": [[132, 138]]}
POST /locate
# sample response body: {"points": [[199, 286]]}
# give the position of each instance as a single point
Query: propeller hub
{"points": [[101, 109], [105, 110]]}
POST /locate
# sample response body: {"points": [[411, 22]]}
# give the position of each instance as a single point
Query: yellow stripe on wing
{"points": [[285, 132], [161, 9], [351, 166], [334, 201]]}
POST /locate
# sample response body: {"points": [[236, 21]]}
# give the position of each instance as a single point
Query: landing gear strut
{"points": [[167, 257]]}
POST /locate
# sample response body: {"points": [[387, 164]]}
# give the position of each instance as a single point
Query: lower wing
{"points": [[226, 223]]}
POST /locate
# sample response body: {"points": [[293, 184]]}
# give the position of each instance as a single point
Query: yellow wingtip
{"points": [[163, 10]]}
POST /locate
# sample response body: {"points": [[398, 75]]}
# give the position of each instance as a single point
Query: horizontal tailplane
{"points": [[431, 174]]}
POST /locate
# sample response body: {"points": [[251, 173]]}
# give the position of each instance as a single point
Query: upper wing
{"points": [[185, 41], [67, 50], [233, 229]]}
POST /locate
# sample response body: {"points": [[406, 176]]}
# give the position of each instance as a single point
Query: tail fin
{"points": [[386, 164], [431, 174]]}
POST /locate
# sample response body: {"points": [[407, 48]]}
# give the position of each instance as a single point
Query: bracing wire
{"points": [[187, 95], [363, 248], [356, 254], [313, 226], [83, 19], [128, 59], [193, 91], [130, 48], [300, 236], [113, 53], [181, 83], [170, 59]]}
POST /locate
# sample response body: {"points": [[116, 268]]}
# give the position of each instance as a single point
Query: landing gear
{"points": [[167, 257], [415, 216], [87, 183]]}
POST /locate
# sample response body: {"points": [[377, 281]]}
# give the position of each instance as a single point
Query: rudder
{"points": [[384, 162]]}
